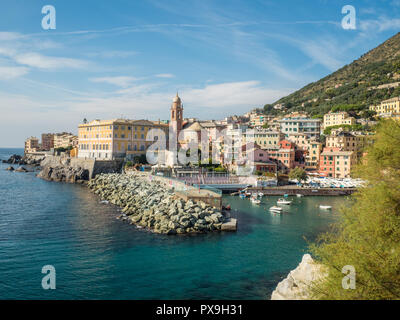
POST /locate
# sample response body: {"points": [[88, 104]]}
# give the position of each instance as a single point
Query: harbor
{"points": [[100, 257]]}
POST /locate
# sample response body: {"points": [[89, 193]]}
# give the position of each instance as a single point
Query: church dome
{"points": [[177, 99]]}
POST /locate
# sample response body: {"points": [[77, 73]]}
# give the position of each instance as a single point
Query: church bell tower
{"points": [[176, 115]]}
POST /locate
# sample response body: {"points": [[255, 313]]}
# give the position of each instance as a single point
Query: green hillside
{"points": [[353, 85]]}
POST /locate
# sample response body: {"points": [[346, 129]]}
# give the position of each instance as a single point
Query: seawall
{"points": [[63, 168], [280, 191]]}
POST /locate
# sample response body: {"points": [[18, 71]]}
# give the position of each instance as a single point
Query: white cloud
{"points": [[40, 61], [121, 81], [7, 73], [379, 25], [6, 36], [164, 75]]}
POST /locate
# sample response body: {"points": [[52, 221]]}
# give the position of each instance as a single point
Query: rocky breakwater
{"points": [[31, 160], [150, 205], [62, 171], [297, 284]]}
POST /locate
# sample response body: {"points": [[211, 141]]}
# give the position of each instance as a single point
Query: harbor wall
{"points": [[303, 191], [93, 166]]}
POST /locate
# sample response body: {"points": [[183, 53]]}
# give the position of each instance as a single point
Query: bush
{"points": [[367, 235], [129, 164]]}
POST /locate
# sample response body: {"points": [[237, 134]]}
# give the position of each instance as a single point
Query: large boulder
{"points": [[296, 285], [10, 168]]}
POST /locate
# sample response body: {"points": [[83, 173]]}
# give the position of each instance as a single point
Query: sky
{"points": [[128, 58]]}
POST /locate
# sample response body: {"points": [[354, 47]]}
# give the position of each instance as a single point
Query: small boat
{"points": [[283, 201], [275, 209], [299, 195], [325, 207], [260, 194], [255, 201], [286, 195], [242, 196], [104, 202], [248, 194]]}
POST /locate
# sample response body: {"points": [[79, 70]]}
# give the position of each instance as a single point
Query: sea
{"points": [[96, 256]]}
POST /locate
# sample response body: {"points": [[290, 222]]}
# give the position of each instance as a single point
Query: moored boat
{"points": [[299, 195], [275, 209], [283, 201], [325, 207]]}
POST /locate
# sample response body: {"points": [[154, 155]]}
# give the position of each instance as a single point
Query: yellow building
{"points": [[347, 141], [300, 139], [266, 139], [313, 155], [338, 118], [387, 108], [259, 120], [32, 145], [64, 140], [117, 138]]}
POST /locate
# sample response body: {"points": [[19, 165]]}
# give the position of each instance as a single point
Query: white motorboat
{"points": [[325, 207], [260, 194], [275, 209], [283, 201], [104, 202], [299, 195], [255, 201]]}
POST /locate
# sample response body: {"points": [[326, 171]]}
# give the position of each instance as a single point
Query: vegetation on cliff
{"points": [[354, 86], [367, 236]]}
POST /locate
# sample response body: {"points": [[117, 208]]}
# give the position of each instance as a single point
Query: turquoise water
{"points": [[99, 257]]}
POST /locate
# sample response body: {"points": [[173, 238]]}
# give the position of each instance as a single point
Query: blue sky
{"points": [[108, 59]]}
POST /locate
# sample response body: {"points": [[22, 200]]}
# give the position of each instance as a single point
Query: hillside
{"points": [[354, 84]]}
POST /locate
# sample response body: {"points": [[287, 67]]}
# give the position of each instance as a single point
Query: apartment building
{"points": [[347, 141], [311, 127], [64, 140], [47, 141], [259, 120], [387, 108], [266, 139], [31, 145], [285, 156], [301, 140], [336, 163], [313, 155], [338, 118], [117, 138]]}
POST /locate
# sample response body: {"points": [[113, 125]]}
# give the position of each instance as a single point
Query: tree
{"points": [[367, 235], [298, 174]]}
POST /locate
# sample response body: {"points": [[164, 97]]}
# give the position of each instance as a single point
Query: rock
{"points": [[63, 174], [295, 286], [148, 203], [10, 168], [231, 225], [21, 169]]}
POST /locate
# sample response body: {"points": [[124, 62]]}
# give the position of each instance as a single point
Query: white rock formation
{"points": [[295, 286]]}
